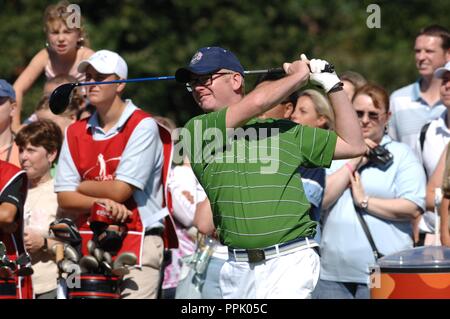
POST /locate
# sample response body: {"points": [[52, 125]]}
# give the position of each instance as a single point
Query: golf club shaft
{"points": [[171, 77], [328, 68], [156, 78]]}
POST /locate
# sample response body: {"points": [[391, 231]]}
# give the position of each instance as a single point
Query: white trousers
{"points": [[292, 276]]}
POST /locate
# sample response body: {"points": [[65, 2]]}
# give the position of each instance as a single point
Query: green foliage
{"points": [[156, 37]]}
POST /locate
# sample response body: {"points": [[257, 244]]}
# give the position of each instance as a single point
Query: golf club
{"points": [[24, 271], [124, 259], [67, 266], [60, 97], [23, 260], [98, 254], [5, 261], [107, 269], [65, 230], [24, 265], [91, 246], [119, 272], [2, 249], [5, 272], [71, 253], [88, 264], [107, 257]]}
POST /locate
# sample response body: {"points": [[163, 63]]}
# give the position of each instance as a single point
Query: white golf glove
{"points": [[326, 80]]}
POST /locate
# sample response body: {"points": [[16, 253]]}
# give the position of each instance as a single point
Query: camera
{"points": [[380, 157]]}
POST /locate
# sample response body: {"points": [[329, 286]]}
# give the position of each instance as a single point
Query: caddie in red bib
{"points": [[13, 192], [118, 160]]}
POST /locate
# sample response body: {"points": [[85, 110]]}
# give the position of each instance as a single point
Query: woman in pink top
{"points": [[65, 48]]}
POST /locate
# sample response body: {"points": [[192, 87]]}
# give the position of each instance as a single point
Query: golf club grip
{"points": [[328, 68], [59, 253], [265, 71]]}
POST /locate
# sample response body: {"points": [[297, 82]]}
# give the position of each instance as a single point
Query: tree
{"points": [[159, 36]]}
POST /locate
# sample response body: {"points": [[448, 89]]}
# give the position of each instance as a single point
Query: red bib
{"points": [[98, 160], [14, 242]]}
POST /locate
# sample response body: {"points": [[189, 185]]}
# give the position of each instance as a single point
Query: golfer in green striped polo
{"points": [[248, 168]]}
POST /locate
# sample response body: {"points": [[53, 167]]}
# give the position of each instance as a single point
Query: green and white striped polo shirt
{"points": [[251, 178]]}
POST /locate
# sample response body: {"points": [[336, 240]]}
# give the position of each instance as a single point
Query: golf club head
{"points": [[6, 272], [68, 266], [106, 267], [91, 246], [71, 253], [6, 262], [128, 259], [23, 260], [108, 258], [88, 264], [24, 271], [111, 238], [65, 230], [119, 272], [98, 254], [60, 97], [11, 265], [2, 249]]}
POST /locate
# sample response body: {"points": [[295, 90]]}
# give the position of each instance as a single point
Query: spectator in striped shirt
{"points": [[248, 168], [416, 104]]}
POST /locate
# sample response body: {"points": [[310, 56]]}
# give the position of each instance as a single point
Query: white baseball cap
{"points": [[106, 62], [440, 72]]}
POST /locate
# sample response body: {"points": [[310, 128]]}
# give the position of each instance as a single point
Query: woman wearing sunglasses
{"points": [[387, 196]]}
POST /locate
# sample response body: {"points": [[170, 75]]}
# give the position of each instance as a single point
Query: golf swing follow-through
{"points": [[86, 180], [61, 96]]}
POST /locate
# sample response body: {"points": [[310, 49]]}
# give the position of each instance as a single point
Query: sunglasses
{"points": [[204, 80], [373, 116]]}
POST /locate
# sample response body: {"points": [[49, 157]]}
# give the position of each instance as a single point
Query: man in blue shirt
{"points": [[418, 103]]}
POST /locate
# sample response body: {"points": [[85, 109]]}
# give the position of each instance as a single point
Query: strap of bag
{"points": [[365, 227], [423, 133], [446, 179]]}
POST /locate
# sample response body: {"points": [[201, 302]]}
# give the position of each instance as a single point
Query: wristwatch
{"points": [[365, 202]]}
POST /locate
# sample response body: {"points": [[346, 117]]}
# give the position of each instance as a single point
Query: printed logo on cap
{"points": [[103, 56], [197, 57]]}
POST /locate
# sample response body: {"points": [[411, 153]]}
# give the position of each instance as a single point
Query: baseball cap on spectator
{"points": [[106, 62], [6, 90], [440, 72], [208, 60]]}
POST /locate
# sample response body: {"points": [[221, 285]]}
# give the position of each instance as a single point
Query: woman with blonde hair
{"points": [[313, 109]]}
